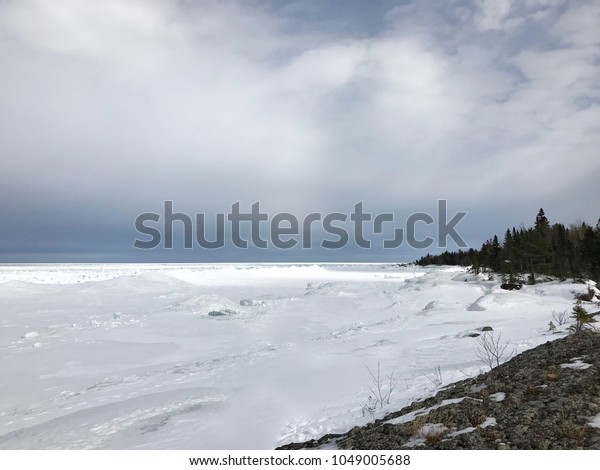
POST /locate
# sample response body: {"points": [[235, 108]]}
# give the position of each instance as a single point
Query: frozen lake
{"points": [[237, 356]]}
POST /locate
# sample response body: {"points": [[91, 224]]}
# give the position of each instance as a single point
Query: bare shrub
{"points": [[436, 378], [491, 350], [381, 390], [561, 318], [369, 407]]}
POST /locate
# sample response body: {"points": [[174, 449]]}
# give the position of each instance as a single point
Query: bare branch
{"points": [[491, 350], [380, 389]]}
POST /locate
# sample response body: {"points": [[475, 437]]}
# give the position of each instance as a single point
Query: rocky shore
{"points": [[544, 398]]}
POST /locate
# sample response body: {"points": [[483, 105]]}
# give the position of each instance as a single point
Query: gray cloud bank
{"points": [[108, 108]]}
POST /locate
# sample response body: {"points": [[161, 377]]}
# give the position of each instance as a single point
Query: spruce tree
{"points": [[583, 319]]}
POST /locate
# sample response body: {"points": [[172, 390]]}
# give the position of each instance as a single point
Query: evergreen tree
{"points": [[582, 318], [507, 268], [542, 249], [561, 249], [541, 223]]}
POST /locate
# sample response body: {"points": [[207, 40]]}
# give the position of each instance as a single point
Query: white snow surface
{"points": [[576, 363], [498, 396], [154, 356]]}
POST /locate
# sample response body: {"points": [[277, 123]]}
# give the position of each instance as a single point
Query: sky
{"points": [[108, 109]]}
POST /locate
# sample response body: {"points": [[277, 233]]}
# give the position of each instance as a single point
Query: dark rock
{"points": [[221, 313], [510, 286], [585, 296], [547, 406]]}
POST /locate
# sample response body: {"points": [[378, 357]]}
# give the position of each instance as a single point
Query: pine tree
{"points": [[541, 223], [496, 255], [561, 249], [582, 318], [590, 252], [542, 249], [508, 266]]}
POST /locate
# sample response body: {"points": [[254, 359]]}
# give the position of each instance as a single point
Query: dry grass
{"points": [[489, 434], [572, 431], [552, 374], [435, 437], [531, 391], [430, 431], [475, 416], [443, 415]]}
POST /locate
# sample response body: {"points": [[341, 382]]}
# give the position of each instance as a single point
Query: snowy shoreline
{"points": [[237, 356], [545, 398]]}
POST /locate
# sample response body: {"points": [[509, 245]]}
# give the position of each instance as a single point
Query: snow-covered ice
{"points": [[154, 356]]}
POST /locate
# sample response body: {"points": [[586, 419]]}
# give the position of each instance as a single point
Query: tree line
{"points": [[544, 249]]}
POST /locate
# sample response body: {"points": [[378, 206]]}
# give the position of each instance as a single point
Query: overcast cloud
{"points": [[109, 108]]}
